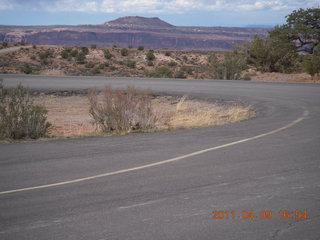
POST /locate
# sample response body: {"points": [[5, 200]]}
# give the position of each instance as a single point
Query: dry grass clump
{"points": [[121, 110], [20, 118], [191, 113]]}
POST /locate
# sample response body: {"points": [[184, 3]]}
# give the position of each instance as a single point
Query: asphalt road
{"points": [[272, 164]]}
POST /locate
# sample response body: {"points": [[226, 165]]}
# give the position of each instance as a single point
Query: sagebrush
{"points": [[121, 110], [20, 118]]}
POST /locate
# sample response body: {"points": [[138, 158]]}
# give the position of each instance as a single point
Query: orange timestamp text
{"points": [[263, 214]]}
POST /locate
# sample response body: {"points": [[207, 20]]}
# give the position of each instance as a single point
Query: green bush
{"points": [[167, 53], [230, 67], [311, 63], [93, 46], [26, 68], [141, 48], [179, 74], [161, 72], [103, 65], [272, 55], [45, 55], [124, 52], [64, 54], [130, 64], [85, 50], [89, 65], [187, 69], [80, 58], [150, 56], [112, 68], [19, 117], [95, 70], [107, 54], [74, 53], [172, 64], [44, 62]]}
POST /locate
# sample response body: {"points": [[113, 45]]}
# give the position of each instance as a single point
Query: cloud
{"points": [[5, 4], [156, 6]]}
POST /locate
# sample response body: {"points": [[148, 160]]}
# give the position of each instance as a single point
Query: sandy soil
{"points": [[282, 77]]}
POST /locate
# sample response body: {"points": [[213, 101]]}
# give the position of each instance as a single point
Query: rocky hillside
{"points": [[112, 61], [134, 31]]}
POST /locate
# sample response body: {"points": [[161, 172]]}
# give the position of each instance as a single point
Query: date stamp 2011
{"points": [[263, 214]]}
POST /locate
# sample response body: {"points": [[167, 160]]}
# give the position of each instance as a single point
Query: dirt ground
{"points": [[283, 77], [69, 115]]}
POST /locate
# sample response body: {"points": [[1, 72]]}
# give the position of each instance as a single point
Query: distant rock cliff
{"points": [[135, 31]]}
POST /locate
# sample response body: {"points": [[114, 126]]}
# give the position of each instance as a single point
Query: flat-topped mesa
{"points": [[138, 22]]}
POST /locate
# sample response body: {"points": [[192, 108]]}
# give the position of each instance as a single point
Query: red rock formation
{"points": [[135, 31]]}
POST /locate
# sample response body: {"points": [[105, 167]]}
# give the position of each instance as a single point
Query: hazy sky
{"points": [[176, 12]]}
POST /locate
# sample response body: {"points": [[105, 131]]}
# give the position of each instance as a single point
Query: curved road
{"points": [[166, 185]]}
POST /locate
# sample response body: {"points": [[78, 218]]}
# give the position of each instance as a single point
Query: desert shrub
{"points": [[311, 63], [64, 54], [150, 63], [103, 65], [121, 110], [180, 74], [141, 48], [124, 52], [187, 69], [89, 65], [44, 62], [130, 63], [107, 54], [95, 70], [161, 72], [19, 117], [246, 76], [230, 67], [46, 54], [5, 44], [26, 68], [150, 56], [167, 53], [85, 50], [172, 64], [74, 53], [112, 68], [80, 58], [93, 46], [272, 55]]}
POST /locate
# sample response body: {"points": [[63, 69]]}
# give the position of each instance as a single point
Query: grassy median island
{"points": [[130, 110], [109, 112]]}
